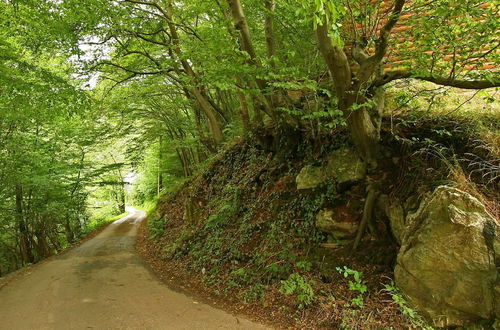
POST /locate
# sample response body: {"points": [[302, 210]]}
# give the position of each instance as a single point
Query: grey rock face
{"points": [[328, 222], [446, 264]]}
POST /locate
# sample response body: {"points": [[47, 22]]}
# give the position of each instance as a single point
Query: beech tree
{"points": [[436, 41], [188, 75]]}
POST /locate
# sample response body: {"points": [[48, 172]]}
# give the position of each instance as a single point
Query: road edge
{"points": [[5, 280]]}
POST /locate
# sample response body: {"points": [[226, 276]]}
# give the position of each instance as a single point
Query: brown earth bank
{"points": [[104, 284], [278, 310], [245, 234]]}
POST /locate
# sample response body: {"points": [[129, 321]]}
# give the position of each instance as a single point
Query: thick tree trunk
{"points": [[53, 240], [337, 63], [43, 249], [364, 134], [187, 162], [241, 25], [199, 128], [184, 162], [212, 118]]}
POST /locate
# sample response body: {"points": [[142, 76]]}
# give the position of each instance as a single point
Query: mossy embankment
{"points": [[242, 235]]}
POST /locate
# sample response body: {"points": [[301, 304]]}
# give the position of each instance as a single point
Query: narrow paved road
{"points": [[103, 284]]}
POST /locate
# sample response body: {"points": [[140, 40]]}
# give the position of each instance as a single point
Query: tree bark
{"points": [[195, 91], [160, 161], [244, 114], [24, 241], [241, 25], [269, 29], [363, 132], [70, 236], [212, 118], [367, 214]]}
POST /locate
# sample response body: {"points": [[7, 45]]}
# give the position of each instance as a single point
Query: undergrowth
{"points": [[247, 234]]}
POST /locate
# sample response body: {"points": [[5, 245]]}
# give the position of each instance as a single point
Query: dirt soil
{"points": [[104, 284]]}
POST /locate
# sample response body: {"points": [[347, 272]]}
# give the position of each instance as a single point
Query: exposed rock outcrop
{"points": [[329, 222], [446, 264], [345, 165], [310, 177]]}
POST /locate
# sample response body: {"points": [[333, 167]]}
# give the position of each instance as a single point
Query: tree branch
{"points": [[370, 64], [153, 41], [465, 84], [385, 32], [142, 73]]}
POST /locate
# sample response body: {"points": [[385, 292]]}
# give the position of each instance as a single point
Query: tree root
{"points": [[367, 214]]}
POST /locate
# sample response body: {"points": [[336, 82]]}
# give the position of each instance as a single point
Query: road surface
{"points": [[103, 284]]}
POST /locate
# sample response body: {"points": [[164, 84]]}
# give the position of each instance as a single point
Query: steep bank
{"points": [[248, 232]]}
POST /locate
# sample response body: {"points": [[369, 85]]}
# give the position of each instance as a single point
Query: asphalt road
{"points": [[104, 284]]}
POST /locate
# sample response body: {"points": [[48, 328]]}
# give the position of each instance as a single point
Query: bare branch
{"points": [[150, 40], [465, 84], [141, 73]]}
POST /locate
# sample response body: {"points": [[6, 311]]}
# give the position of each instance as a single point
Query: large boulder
{"points": [[335, 224], [446, 264], [310, 177], [345, 165]]}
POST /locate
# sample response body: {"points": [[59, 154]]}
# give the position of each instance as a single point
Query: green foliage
{"points": [[156, 227], [356, 285], [298, 285], [255, 292], [398, 298], [304, 265], [100, 219], [326, 12], [226, 212]]}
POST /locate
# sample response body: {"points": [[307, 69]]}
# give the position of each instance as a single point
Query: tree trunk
{"points": [[363, 132], [42, 247], [212, 118], [70, 236], [241, 25], [199, 128], [160, 161], [122, 204], [367, 214], [245, 117], [269, 28], [187, 162], [24, 241], [195, 91]]}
